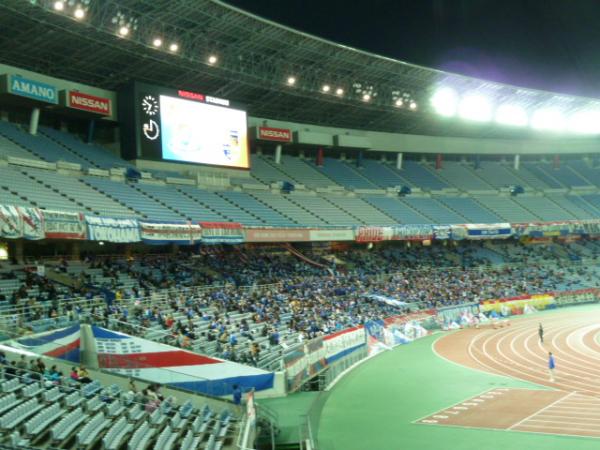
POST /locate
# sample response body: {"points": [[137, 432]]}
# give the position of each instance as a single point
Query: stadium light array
{"points": [[399, 102], [326, 88], [123, 31], [413, 105], [157, 42], [339, 91], [475, 107], [548, 119], [79, 13], [212, 59], [513, 115], [445, 102], [174, 47], [291, 81], [366, 97], [585, 122], [59, 5]]}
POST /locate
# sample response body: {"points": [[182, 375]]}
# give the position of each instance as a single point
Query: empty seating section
{"points": [[543, 208], [583, 204], [498, 175], [436, 211], [304, 172], [570, 206], [180, 202], [217, 203], [94, 154], [345, 175], [506, 208], [381, 174], [281, 203], [40, 145], [396, 209], [564, 175], [473, 211], [258, 209], [362, 210], [462, 177], [84, 195], [133, 198], [34, 193], [592, 199], [324, 209], [9, 148], [419, 176], [265, 172], [584, 169], [539, 172], [530, 180]]}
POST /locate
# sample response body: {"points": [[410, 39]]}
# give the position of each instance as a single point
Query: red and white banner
{"points": [[87, 102], [64, 225], [274, 134], [276, 235]]}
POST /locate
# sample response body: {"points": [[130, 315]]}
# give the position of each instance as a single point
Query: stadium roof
{"points": [[255, 58]]}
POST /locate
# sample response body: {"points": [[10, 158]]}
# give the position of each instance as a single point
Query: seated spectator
{"points": [[84, 376]]}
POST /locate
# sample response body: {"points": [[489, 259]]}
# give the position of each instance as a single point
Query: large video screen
{"points": [[183, 126], [202, 133]]}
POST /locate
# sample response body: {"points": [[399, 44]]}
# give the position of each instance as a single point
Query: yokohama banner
{"points": [[112, 230], [165, 233], [64, 225], [171, 366], [21, 222], [222, 233]]}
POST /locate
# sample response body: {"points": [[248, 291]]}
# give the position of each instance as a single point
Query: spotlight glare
{"points": [[548, 119], [124, 31], [291, 81], [413, 105], [212, 59], [339, 91], [513, 115], [326, 88], [445, 101], [157, 42], [173, 47], [399, 102], [79, 13], [366, 97], [585, 122], [475, 107], [59, 5]]}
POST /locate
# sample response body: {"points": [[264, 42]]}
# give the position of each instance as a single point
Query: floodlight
{"points": [[291, 81], [157, 42], [366, 97], [445, 101], [399, 102], [339, 91], [173, 47], [550, 119], [413, 105], [475, 107], [514, 115], [59, 5], [124, 31], [325, 88], [585, 122], [79, 13], [212, 59]]}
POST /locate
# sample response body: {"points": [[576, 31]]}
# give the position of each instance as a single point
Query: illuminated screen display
{"points": [[202, 133]]}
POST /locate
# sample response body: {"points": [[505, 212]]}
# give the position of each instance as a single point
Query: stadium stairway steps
{"points": [[273, 208], [77, 155], [585, 205], [357, 171], [574, 210], [200, 203], [237, 205], [476, 173], [159, 201], [277, 167], [57, 191], [113, 198], [381, 210], [580, 175], [529, 179], [455, 211], [358, 221], [435, 173]]}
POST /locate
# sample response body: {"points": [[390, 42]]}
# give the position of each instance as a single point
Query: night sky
{"points": [[544, 44]]}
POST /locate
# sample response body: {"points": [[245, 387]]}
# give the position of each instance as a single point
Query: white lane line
{"points": [[553, 416], [539, 411], [589, 430]]}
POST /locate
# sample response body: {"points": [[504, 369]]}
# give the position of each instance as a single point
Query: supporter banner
{"points": [[387, 300], [567, 298], [411, 232], [87, 102], [64, 225], [517, 305], [549, 229], [343, 343], [591, 228], [370, 234], [331, 235], [165, 233], [222, 233], [442, 232], [62, 344], [112, 230], [274, 134], [35, 90], [171, 366], [386, 334], [461, 315], [488, 231], [276, 235], [21, 222]]}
